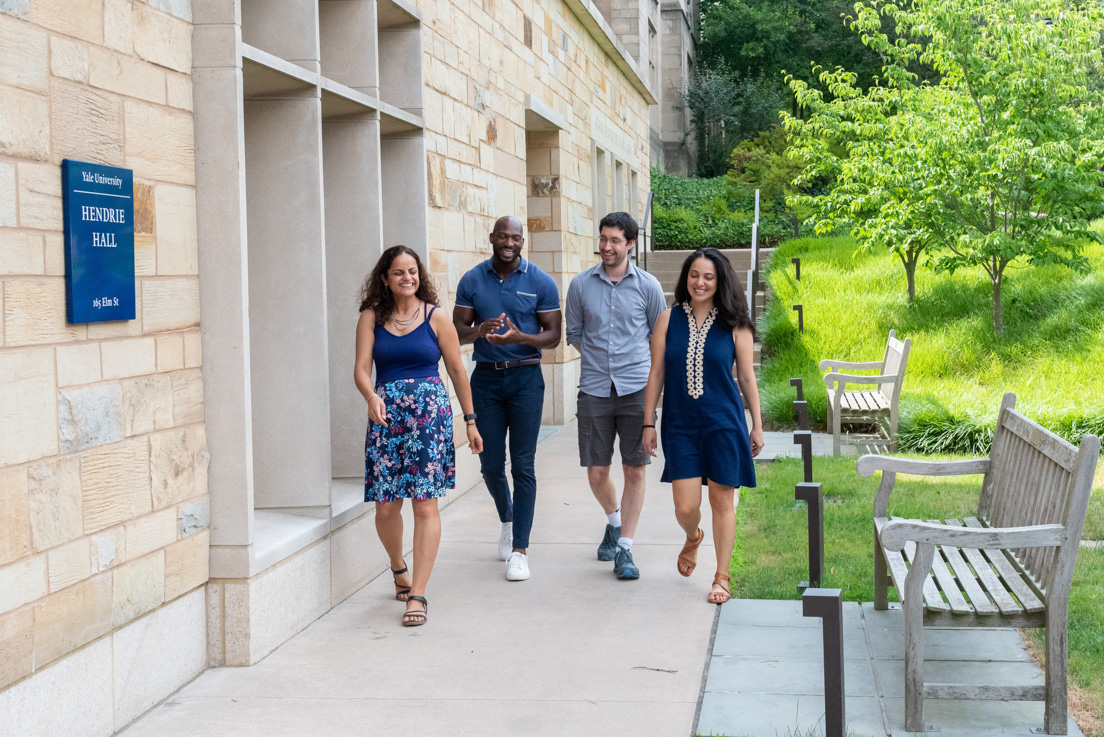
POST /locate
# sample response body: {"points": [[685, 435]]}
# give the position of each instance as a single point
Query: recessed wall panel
{"points": [[287, 303], [354, 234]]}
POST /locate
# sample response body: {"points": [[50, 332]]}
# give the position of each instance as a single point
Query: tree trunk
{"points": [[909, 259], [797, 227], [998, 311]]}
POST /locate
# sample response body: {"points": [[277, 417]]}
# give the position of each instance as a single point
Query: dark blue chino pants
{"points": [[510, 402]]}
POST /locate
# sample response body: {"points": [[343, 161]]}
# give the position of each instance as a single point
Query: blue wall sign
{"points": [[99, 241]]}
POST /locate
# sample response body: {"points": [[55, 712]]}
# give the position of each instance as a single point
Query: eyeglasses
{"points": [[615, 242]]}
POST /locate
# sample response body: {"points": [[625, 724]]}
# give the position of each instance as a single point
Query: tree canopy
{"points": [[997, 161], [764, 38]]}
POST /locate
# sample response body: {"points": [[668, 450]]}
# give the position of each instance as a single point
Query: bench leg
{"points": [[1056, 651], [914, 669], [834, 422], [913, 605], [881, 594]]}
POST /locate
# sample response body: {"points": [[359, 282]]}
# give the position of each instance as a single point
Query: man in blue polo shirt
{"points": [[611, 310], [510, 309]]}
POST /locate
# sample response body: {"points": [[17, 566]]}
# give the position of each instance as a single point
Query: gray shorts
{"points": [[602, 417]]}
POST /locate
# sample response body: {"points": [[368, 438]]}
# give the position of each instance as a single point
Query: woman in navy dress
{"points": [[705, 435], [409, 450]]}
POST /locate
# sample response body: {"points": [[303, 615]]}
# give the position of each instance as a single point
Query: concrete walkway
{"points": [[572, 651], [766, 675]]}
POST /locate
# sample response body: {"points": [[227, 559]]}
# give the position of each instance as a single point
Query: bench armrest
{"points": [[869, 463], [828, 363], [846, 379], [890, 467], [896, 533]]}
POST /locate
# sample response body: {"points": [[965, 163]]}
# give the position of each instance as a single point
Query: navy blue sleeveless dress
{"points": [[414, 457], [703, 428]]}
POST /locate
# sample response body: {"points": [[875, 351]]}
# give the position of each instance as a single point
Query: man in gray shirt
{"points": [[611, 309]]}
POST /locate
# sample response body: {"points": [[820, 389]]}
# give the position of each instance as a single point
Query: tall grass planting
{"points": [[1051, 353]]}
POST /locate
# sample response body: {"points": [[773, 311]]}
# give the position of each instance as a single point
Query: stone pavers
{"points": [[766, 675], [572, 651]]}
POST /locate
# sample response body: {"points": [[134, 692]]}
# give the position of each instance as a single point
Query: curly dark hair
{"points": [[375, 295], [730, 300]]}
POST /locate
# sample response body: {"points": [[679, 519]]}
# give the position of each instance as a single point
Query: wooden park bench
{"points": [[867, 407], [1010, 565]]}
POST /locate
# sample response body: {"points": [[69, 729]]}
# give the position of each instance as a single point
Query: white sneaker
{"points": [[517, 567], [506, 540]]}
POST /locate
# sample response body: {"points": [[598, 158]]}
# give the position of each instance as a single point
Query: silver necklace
{"points": [[404, 323]]}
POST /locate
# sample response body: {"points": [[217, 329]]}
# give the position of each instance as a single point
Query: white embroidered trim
{"points": [[695, 350]]}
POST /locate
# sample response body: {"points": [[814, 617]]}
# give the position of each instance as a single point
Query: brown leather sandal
{"points": [[401, 592], [720, 597], [688, 556]]}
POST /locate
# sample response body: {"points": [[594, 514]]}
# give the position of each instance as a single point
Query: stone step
{"points": [[672, 260]]}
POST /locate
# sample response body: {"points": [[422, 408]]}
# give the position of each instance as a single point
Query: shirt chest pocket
{"points": [[525, 303]]}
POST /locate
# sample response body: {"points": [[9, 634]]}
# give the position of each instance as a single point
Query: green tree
{"points": [[998, 161], [725, 109], [762, 38], [764, 163]]}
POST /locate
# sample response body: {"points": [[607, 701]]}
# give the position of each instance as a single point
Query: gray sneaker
{"points": [[607, 550], [623, 566]]}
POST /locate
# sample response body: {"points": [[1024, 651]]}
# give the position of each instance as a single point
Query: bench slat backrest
{"points": [[1035, 478], [893, 364]]}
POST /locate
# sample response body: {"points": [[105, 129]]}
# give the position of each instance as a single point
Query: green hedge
{"points": [[690, 213]]}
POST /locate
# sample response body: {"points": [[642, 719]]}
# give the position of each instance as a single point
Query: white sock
{"points": [[615, 518], [624, 542]]}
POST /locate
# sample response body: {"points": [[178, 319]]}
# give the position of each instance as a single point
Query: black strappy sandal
{"points": [[416, 618], [400, 593]]}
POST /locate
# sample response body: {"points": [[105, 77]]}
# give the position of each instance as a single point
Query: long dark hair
{"points": [[375, 295], [730, 301]]}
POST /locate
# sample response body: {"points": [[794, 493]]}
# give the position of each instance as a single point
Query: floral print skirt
{"points": [[414, 457]]}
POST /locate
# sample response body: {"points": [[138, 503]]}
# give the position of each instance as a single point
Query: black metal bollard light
{"points": [[802, 409], [800, 405], [828, 605], [800, 318], [804, 438], [813, 495], [797, 268]]}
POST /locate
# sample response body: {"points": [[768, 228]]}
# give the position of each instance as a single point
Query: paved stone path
{"points": [[766, 675], [572, 651], [575, 652]]}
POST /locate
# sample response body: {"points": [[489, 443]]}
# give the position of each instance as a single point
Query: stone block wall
{"points": [[479, 72], [679, 50], [103, 455]]}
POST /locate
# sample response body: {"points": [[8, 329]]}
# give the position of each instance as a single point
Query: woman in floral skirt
{"points": [[409, 451]]}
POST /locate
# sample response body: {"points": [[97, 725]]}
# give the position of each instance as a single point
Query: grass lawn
{"points": [[1051, 353], [771, 550]]}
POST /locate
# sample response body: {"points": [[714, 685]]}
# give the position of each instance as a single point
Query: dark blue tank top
{"points": [[411, 356]]}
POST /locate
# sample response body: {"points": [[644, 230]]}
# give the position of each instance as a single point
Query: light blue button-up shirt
{"points": [[611, 325]]}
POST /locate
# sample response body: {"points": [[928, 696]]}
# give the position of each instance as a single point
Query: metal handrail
{"points": [[643, 239]]}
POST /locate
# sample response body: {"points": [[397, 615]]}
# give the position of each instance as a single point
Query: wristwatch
{"points": [[469, 417]]}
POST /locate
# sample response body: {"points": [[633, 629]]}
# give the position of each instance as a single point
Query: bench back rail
{"points": [[1036, 478]]}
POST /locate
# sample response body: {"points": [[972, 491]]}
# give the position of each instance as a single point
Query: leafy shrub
{"points": [[690, 213]]}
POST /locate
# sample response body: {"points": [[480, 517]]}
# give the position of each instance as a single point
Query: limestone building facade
{"points": [[662, 39], [183, 490]]}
